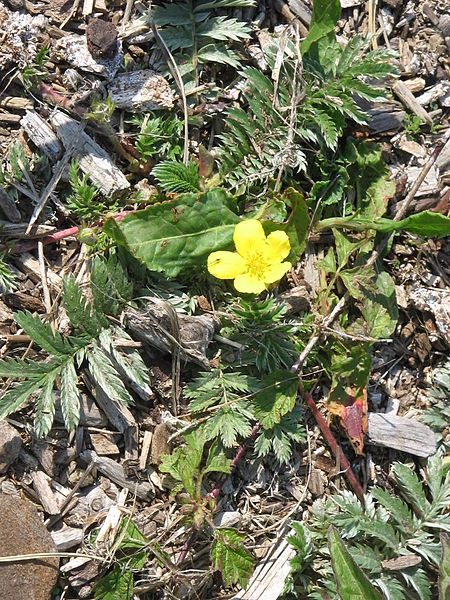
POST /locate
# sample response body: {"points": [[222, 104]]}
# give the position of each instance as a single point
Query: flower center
{"points": [[256, 264]]}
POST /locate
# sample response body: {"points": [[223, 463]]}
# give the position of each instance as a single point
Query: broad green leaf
{"points": [[426, 224], [345, 246], [183, 464], [217, 462], [444, 568], [177, 235], [276, 397], [351, 581], [328, 262], [230, 557], [324, 18], [116, 585], [296, 227], [379, 307]]}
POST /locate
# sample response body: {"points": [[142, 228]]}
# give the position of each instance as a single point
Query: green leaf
{"points": [[42, 334], [217, 462], [176, 177], [351, 581], [45, 407], [70, 401], [17, 395], [178, 235], [230, 557], [106, 376], [379, 307], [328, 262], [80, 312], [324, 18], [116, 585], [426, 224], [276, 398], [183, 464], [110, 285], [411, 488], [444, 568], [227, 423], [131, 546]]}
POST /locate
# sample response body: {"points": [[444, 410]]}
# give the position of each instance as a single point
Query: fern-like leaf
{"points": [[106, 376], [177, 178], [70, 401]]}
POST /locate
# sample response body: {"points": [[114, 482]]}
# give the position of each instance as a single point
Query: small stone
{"points": [[23, 532], [101, 37], [10, 446]]}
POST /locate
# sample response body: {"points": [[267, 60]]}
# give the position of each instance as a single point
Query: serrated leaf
{"points": [[80, 312], [379, 307], [184, 463], [131, 549], [218, 53], [223, 28], [45, 407], [351, 581], [176, 177], [230, 557], [106, 376], [17, 395], [42, 334], [216, 461], [110, 285], [411, 488], [228, 424], [178, 235], [276, 398], [26, 369], [70, 400], [444, 568], [116, 585]]}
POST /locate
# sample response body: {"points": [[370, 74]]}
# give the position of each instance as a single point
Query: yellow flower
{"points": [[258, 260]]}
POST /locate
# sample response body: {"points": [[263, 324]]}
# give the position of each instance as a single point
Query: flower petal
{"points": [[225, 265], [249, 284], [275, 272], [278, 246], [249, 236]]}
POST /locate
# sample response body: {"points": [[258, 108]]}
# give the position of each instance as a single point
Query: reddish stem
{"points": [[53, 238], [335, 448]]}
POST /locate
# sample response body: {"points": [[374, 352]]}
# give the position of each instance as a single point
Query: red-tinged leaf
{"points": [[353, 419]]}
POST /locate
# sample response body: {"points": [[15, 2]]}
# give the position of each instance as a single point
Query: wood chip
{"points": [[141, 91], [402, 434], [42, 135], [93, 160], [407, 98]]}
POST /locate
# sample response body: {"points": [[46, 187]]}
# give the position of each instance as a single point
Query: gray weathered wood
{"points": [[9, 208], [407, 98], [42, 135], [400, 433], [67, 538], [141, 91], [93, 160], [112, 470]]}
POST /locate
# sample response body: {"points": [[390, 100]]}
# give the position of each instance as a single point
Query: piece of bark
{"points": [[105, 444], [29, 265], [101, 38], [160, 443], [67, 538], [437, 302], [161, 327], [145, 450], [74, 50], [112, 470], [118, 415], [19, 230], [385, 117], [269, 577], [9, 118], [297, 300], [93, 160], [407, 99], [15, 103], [42, 135], [46, 496], [90, 415], [141, 91], [23, 301], [400, 433], [44, 452], [302, 11], [9, 207]]}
